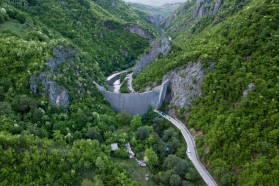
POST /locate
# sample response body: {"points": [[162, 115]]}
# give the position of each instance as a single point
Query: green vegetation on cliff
{"points": [[55, 128], [240, 142]]}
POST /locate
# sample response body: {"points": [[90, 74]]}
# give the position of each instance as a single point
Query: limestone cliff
{"points": [[192, 11], [140, 32], [160, 46], [57, 94], [185, 84], [204, 7]]}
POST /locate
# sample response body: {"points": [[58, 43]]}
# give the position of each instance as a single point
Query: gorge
{"points": [[209, 68]]}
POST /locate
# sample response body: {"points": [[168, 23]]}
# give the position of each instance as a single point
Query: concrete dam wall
{"points": [[135, 103]]}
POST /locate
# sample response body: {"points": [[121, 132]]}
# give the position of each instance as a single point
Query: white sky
{"points": [[155, 2]]}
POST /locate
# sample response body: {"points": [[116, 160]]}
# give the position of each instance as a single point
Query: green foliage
{"points": [[120, 10], [41, 163], [150, 157], [242, 41], [142, 133], [179, 165], [123, 118], [136, 122], [42, 144], [124, 87], [122, 153], [175, 180]]}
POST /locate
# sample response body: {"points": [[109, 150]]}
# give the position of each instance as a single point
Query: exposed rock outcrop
{"points": [[204, 7], [198, 10], [249, 88], [217, 6], [161, 46], [185, 84], [140, 32], [57, 94], [157, 20], [181, 10]]}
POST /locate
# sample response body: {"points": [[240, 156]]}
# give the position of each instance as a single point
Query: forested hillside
{"points": [[55, 128], [157, 14], [237, 43]]}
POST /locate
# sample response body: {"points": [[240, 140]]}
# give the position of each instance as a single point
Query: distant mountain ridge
{"points": [[157, 14], [155, 2]]}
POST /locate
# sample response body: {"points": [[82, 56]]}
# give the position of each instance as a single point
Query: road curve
{"points": [[130, 82], [191, 149], [115, 74]]}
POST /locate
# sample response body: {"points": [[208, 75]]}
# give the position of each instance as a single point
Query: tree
{"points": [[86, 182], [38, 114], [93, 133], [179, 165], [169, 134], [98, 181], [142, 133], [100, 164], [136, 122], [150, 157], [123, 118], [2, 92], [5, 108], [175, 180], [24, 104], [58, 137]]}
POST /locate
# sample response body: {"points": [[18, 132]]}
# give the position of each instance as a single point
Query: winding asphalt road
{"points": [[130, 82], [115, 74], [191, 149]]}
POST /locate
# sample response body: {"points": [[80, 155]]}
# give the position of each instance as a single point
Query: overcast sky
{"points": [[155, 2]]}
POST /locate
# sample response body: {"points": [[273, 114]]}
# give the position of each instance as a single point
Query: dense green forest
{"points": [[56, 129], [53, 49], [240, 141]]}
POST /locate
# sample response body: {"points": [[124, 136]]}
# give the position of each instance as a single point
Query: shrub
{"points": [[21, 17]]}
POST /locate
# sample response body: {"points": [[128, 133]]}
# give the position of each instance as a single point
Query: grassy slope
{"points": [[242, 40], [136, 172]]}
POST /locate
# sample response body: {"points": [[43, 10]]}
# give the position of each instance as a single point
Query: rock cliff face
{"points": [[217, 6], [197, 10], [57, 94], [185, 84], [140, 32], [161, 46], [157, 20], [203, 7]]}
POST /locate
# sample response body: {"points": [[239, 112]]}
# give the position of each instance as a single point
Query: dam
{"points": [[135, 103]]}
